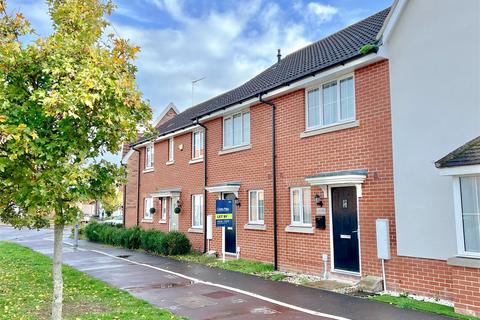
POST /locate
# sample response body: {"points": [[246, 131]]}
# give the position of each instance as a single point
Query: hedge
{"points": [[170, 243]]}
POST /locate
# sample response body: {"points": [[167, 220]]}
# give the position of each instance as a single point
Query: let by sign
{"points": [[224, 213]]}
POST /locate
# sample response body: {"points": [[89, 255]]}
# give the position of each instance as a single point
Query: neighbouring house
{"points": [[319, 146]]}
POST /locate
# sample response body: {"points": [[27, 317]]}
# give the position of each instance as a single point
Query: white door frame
{"points": [[223, 229], [332, 260]]}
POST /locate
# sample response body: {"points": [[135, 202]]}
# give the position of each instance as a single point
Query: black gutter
{"points": [[138, 187], [205, 180], [274, 182]]}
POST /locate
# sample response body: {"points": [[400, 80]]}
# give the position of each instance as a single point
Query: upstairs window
{"points": [[149, 156], [331, 103], [171, 148], [197, 145], [236, 130], [148, 204]]}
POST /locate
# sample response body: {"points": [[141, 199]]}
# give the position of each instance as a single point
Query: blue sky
{"points": [[225, 41]]}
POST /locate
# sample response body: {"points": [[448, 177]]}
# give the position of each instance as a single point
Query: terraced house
{"points": [[328, 140]]}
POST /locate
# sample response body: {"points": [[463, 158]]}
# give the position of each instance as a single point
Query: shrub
{"points": [[171, 243], [174, 243]]}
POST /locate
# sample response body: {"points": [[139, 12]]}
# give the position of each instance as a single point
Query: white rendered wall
{"points": [[434, 53]]}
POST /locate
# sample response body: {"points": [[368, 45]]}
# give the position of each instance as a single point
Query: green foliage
{"points": [[239, 265], [65, 100], [368, 48], [405, 302], [170, 243], [26, 282]]}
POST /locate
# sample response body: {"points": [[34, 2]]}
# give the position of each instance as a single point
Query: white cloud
{"points": [[324, 13]]}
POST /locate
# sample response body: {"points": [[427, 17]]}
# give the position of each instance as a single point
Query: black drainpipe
{"points": [[138, 187], [274, 182], [205, 177]]}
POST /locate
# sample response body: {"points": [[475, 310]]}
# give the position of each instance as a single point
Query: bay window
{"points": [[331, 103], [470, 214]]}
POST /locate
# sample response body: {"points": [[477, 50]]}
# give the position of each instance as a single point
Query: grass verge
{"points": [[409, 303], [265, 270], [26, 291]]}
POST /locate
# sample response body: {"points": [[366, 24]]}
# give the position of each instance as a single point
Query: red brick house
{"points": [[304, 150]]}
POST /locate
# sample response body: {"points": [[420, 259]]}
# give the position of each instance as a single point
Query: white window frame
{"points": [[147, 204], [319, 87], [202, 147], [457, 198], [244, 142], [149, 148], [257, 221], [171, 150], [194, 197], [164, 212], [302, 223]]}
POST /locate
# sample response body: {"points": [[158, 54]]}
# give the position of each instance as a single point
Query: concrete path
{"points": [[200, 292]]}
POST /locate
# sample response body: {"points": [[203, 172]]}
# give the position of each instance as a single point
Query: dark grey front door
{"points": [[231, 232], [345, 229]]}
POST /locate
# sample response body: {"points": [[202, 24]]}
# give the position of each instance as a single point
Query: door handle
{"points": [[355, 231]]}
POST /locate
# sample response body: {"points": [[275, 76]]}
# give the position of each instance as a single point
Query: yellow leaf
{"points": [[22, 126], [2, 118]]}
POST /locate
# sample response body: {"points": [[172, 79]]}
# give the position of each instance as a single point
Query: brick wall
{"points": [[367, 146]]}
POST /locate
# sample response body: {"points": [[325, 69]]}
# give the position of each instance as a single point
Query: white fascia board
{"points": [[391, 20], [165, 194], [127, 156], [304, 83], [170, 135], [164, 112], [227, 188], [340, 179], [460, 171]]}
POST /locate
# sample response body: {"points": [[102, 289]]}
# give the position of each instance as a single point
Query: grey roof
{"points": [[466, 155], [328, 52]]}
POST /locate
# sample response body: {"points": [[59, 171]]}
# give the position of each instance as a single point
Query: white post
{"points": [[223, 244]]}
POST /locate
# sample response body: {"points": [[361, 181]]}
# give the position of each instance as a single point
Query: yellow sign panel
{"points": [[224, 216]]}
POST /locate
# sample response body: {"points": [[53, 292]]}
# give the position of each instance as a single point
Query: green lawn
{"points": [[26, 291], [245, 266], [409, 303]]}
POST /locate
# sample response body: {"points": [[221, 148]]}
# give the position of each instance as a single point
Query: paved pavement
{"points": [[200, 292]]}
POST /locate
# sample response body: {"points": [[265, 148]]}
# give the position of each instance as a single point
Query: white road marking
{"points": [[251, 294]]}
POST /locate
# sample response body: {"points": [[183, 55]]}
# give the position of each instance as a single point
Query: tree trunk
{"points": [[57, 272]]}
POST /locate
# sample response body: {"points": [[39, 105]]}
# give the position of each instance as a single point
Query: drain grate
{"points": [[218, 294], [123, 256]]}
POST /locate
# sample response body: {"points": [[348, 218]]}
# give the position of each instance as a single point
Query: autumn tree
{"points": [[65, 100]]}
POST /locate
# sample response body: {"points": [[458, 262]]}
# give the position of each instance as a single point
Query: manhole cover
{"points": [[195, 302], [218, 294], [123, 256], [164, 285]]}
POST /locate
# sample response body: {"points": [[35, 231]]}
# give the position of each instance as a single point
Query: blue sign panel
{"points": [[224, 213]]}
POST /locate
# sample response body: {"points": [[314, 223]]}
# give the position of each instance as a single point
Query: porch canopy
{"points": [[224, 187], [346, 177], [166, 193]]}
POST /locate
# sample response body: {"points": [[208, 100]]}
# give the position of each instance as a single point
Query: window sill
{"points": [[235, 149], [147, 221], [162, 221], [147, 170], [253, 226], [332, 128], [198, 160], [195, 229], [169, 163], [299, 229], [469, 262]]}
